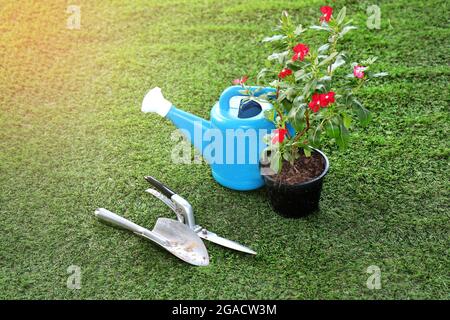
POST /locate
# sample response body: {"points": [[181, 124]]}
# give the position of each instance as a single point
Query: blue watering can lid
{"points": [[234, 108], [228, 107], [248, 109]]}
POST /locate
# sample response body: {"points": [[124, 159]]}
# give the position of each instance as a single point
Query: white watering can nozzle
{"points": [[154, 101]]}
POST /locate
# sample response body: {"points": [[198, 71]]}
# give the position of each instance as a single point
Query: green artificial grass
{"points": [[73, 138]]}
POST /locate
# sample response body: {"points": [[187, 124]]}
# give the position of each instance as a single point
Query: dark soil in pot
{"points": [[295, 191]]}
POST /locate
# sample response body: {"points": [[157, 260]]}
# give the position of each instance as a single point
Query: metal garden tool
{"points": [[170, 234], [185, 214]]}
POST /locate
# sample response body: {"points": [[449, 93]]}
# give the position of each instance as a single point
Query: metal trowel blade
{"points": [[182, 241]]}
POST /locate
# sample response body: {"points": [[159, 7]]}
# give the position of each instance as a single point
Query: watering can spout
{"points": [[154, 101], [193, 127]]}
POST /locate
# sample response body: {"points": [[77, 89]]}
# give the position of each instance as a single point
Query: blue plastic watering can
{"points": [[232, 141]]}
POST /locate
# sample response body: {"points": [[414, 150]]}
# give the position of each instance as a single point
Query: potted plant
{"points": [[314, 105]]}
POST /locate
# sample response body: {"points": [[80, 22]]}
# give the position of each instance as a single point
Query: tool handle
{"points": [[117, 220], [160, 186]]}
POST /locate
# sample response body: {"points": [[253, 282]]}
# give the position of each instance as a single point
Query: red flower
{"points": [[284, 73], [327, 12], [279, 135], [321, 100], [241, 80], [358, 71], [327, 98], [316, 102], [301, 50]]}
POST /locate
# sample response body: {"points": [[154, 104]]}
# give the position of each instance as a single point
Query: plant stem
{"points": [[278, 112], [361, 82], [302, 133]]}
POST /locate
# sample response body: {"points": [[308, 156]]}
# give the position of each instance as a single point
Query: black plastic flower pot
{"points": [[297, 200]]}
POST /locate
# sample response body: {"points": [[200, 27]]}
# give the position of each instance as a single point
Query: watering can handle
{"points": [[233, 91]]}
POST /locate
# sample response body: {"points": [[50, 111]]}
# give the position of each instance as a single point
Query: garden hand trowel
{"points": [[170, 234], [185, 214]]}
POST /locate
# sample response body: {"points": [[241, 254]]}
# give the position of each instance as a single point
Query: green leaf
{"points": [[341, 15], [332, 128], [299, 30], [347, 120], [277, 37], [291, 93], [323, 48], [269, 114], [255, 91], [245, 100], [278, 83], [287, 156], [332, 38], [281, 96], [343, 137], [308, 86], [368, 61], [328, 59], [320, 87], [345, 30], [307, 151], [363, 114], [338, 62], [262, 74], [299, 74], [266, 140], [293, 65], [280, 57], [324, 27], [275, 161], [296, 117], [285, 19], [348, 22], [287, 105], [348, 99], [314, 137], [298, 101], [266, 97], [380, 74]]}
